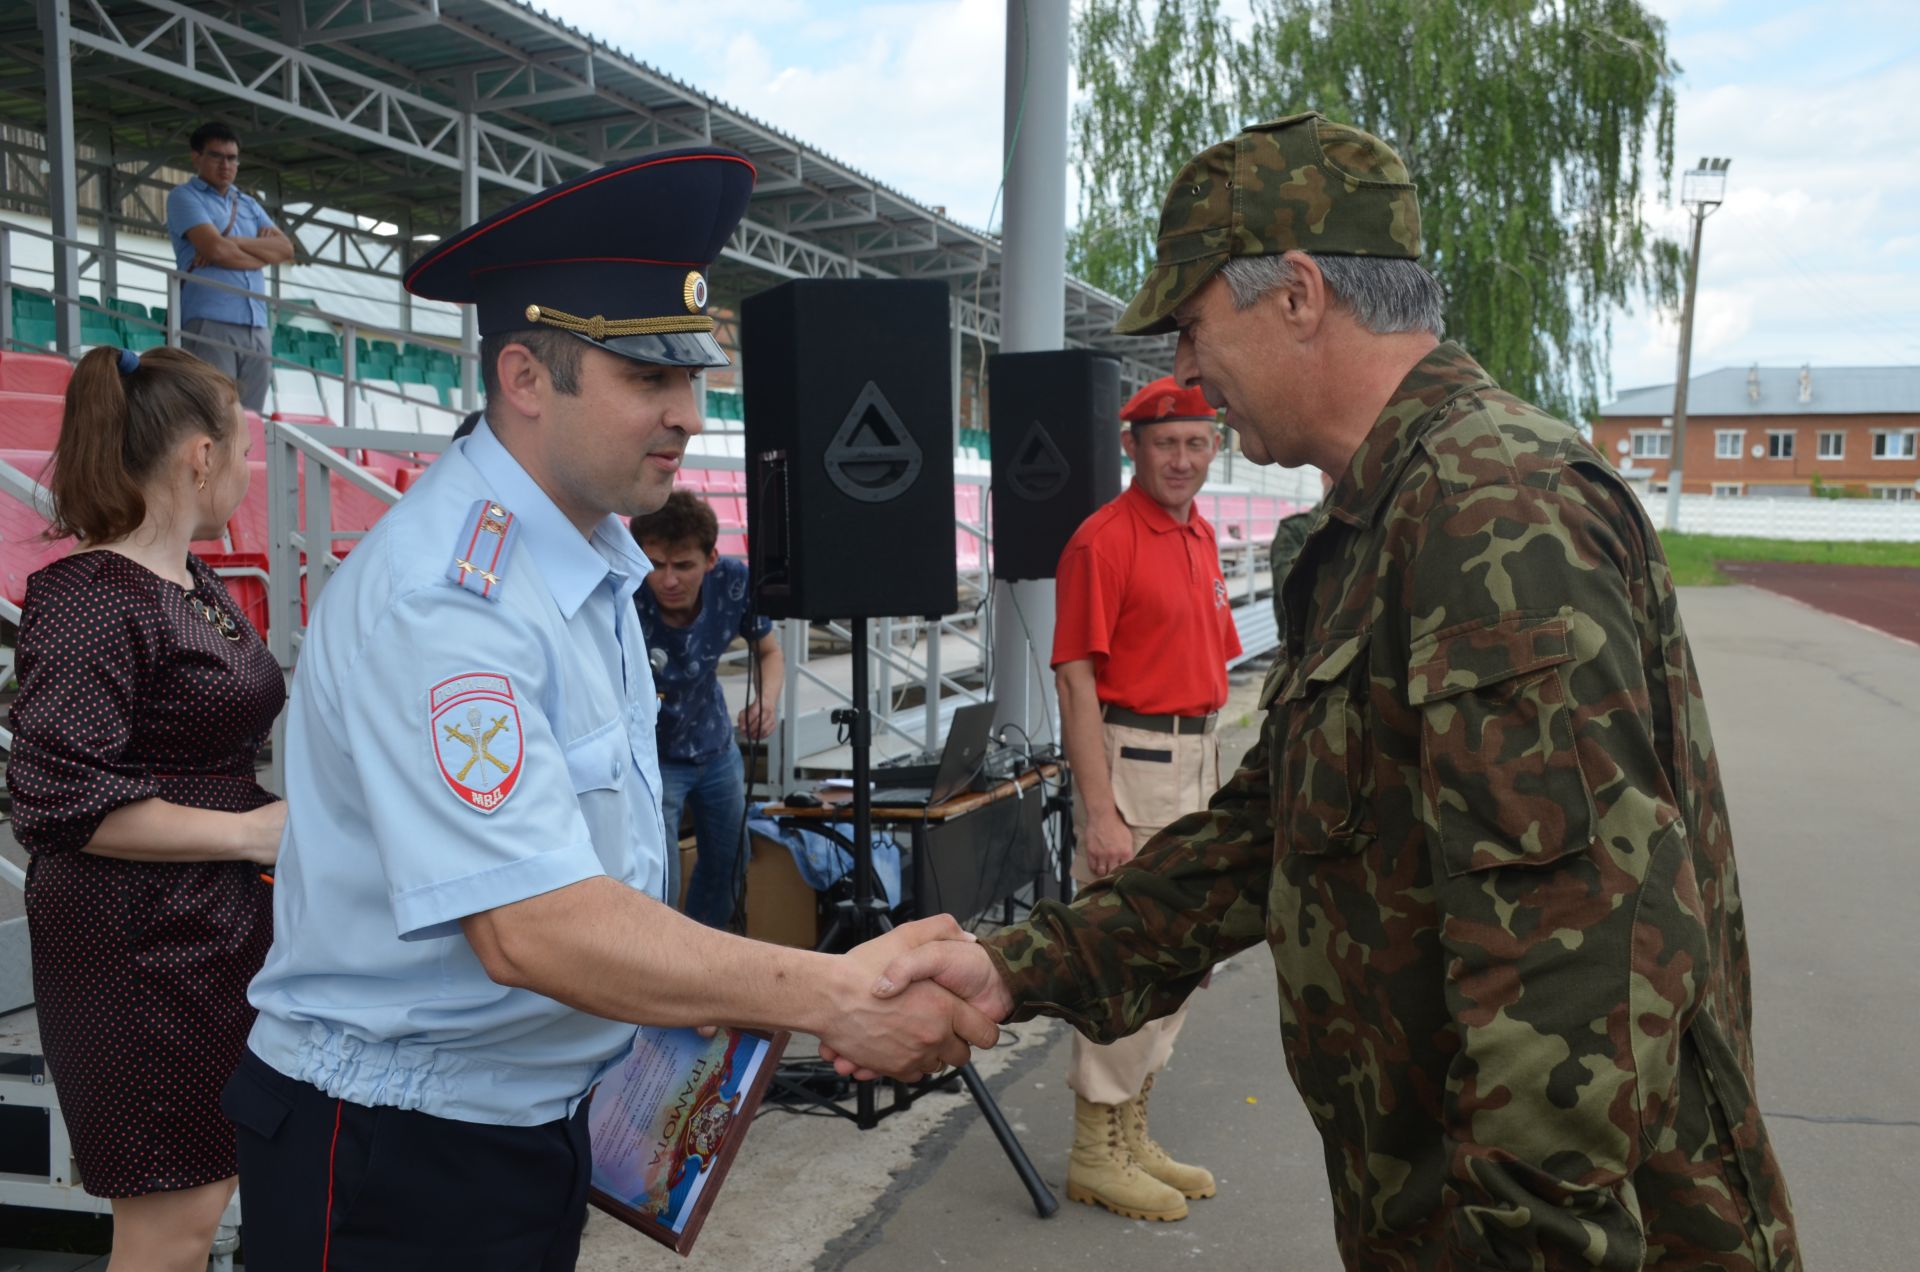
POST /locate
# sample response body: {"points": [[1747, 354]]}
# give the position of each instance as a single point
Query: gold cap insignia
{"points": [[694, 292], [533, 313]]}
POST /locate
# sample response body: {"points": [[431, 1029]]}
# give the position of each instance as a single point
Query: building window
{"points": [[1897, 494], [1727, 443], [1891, 445], [1779, 444], [1727, 489], [1833, 445], [1648, 444]]}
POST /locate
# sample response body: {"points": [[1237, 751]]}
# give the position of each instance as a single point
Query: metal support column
{"points": [[469, 213], [108, 237], [63, 196], [1033, 270]]}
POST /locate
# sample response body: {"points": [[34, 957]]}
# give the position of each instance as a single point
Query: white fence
{"points": [[1829, 520]]}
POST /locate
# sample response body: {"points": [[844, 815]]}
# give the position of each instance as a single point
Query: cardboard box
{"points": [[781, 908]]}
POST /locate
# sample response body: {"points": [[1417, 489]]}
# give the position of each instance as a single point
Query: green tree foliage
{"points": [[1527, 126]]}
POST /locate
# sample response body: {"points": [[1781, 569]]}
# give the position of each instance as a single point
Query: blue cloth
{"points": [[694, 724], [450, 753], [197, 203], [822, 862], [717, 789]]}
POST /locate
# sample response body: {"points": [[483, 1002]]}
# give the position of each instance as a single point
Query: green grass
{"points": [[1695, 558]]}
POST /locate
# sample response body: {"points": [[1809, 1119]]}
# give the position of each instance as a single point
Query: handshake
{"points": [[912, 1002]]}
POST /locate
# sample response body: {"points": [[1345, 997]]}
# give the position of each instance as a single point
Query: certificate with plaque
{"points": [[666, 1123]]}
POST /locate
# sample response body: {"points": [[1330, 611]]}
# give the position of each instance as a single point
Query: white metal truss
{"points": [[540, 103]]}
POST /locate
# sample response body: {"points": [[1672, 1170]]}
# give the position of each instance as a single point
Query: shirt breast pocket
{"points": [[1321, 767], [597, 765], [1501, 782]]}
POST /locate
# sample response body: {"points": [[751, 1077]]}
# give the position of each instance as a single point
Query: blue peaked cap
{"points": [[617, 257]]}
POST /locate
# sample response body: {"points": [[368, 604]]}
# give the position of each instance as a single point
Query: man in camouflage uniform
{"points": [[1483, 834]]}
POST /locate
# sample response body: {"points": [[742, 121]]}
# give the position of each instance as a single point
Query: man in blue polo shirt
{"points": [[221, 233], [694, 604]]}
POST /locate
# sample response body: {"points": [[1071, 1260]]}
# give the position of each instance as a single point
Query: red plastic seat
{"points": [[30, 421], [732, 545], [34, 373], [24, 547]]}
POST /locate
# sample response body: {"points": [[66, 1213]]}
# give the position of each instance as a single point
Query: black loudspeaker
{"points": [[849, 431], [1056, 453]]}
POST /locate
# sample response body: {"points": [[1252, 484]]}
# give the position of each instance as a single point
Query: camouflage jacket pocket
{"points": [[1320, 766], [1501, 780]]}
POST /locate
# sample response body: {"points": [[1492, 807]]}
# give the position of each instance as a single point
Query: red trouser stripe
{"points": [[326, 1243]]}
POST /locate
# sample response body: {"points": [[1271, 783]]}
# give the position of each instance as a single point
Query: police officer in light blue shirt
{"points": [[467, 908], [221, 233]]}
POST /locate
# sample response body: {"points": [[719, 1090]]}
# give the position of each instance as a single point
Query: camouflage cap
{"points": [[1302, 183]]}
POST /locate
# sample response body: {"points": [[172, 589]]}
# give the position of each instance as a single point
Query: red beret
{"points": [[1165, 400]]}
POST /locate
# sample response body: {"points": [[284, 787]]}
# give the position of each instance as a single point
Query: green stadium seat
{"points": [[34, 332], [133, 307], [409, 373], [329, 363], [98, 329], [141, 339]]}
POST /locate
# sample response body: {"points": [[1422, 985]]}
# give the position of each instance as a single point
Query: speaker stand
{"points": [[865, 917]]}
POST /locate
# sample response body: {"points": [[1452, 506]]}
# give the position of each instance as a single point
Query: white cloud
{"points": [[1814, 255], [908, 93]]}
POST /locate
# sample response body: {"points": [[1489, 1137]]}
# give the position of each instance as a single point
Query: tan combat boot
{"points": [[1100, 1172], [1191, 1181]]}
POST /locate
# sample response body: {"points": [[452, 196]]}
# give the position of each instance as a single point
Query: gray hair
{"points": [[1384, 294]]}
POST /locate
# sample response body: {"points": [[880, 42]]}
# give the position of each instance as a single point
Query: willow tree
{"points": [[1528, 125]]}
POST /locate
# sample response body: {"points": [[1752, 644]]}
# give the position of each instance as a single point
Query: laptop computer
{"points": [[967, 739]]}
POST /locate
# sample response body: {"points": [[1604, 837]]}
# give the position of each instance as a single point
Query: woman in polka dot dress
{"points": [[145, 696]]}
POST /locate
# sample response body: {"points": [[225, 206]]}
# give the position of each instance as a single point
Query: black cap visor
{"points": [[667, 349]]}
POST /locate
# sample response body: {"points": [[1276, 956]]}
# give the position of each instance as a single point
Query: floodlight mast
{"points": [[1702, 188]]}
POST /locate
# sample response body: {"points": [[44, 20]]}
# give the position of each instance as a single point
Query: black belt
{"points": [[1174, 724]]}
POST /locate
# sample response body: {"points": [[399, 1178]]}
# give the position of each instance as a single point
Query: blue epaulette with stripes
{"points": [[480, 553]]}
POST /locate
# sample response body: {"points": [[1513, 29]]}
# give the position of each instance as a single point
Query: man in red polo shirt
{"points": [[1141, 640]]}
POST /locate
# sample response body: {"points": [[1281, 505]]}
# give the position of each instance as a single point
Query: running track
{"points": [[1886, 598]]}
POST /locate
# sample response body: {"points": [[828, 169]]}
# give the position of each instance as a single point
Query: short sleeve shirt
{"points": [[694, 724], [447, 754], [1141, 596], [235, 214]]}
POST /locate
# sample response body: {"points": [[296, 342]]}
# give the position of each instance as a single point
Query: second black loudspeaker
{"points": [[849, 431], [1056, 453]]}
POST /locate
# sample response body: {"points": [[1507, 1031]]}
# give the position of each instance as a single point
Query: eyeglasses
{"points": [[220, 157]]}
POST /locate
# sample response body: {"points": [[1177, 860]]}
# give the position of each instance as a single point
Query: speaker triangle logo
{"points": [[1039, 471], [872, 457]]}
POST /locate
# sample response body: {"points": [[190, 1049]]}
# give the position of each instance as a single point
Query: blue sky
{"points": [[1814, 257]]}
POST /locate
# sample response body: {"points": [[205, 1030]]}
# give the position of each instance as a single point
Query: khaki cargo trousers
{"points": [[1157, 777]]}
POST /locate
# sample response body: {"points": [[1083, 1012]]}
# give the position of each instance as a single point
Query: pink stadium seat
{"points": [[247, 528], [734, 479], [406, 475], [966, 507], [34, 373], [731, 511], [732, 544], [30, 421], [694, 479], [24, 547], [34, 463]]}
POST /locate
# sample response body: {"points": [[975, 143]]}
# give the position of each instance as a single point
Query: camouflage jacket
{"points": [[1288, 538], [1484, 839]]}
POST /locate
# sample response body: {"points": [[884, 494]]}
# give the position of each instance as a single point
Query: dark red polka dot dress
{"points": [[140, 969]]}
